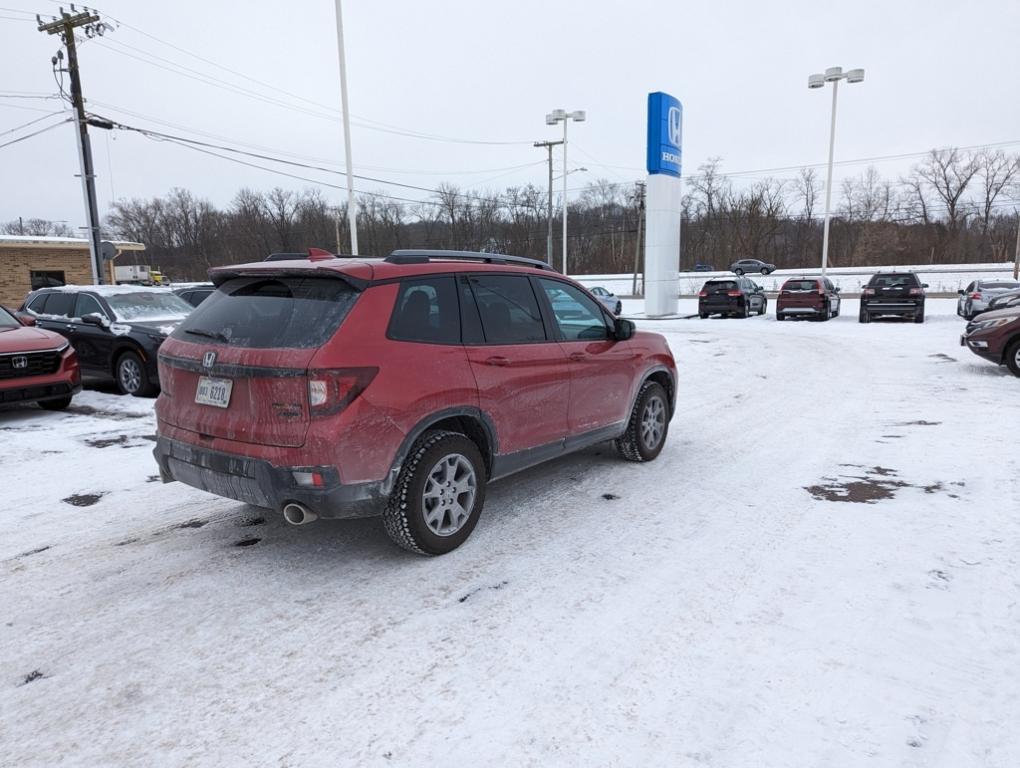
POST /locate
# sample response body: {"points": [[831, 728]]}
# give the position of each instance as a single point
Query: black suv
{"points": [[895, 294], [115, 329], [732, 297]]}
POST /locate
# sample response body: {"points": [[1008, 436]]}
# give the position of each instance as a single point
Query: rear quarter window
{"points": [[271, 312]]}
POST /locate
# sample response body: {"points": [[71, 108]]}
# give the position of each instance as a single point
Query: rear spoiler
{"points": [[220, 275]]}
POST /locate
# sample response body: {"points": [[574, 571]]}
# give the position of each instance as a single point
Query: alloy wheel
{"points": [[130, 375], [449, 494], [653, 422]]}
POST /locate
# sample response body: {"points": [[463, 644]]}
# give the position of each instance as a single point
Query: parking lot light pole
{"points": [[832, 75], [557, 116]]}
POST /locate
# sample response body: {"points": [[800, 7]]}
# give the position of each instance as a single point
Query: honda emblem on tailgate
{"points": [[19, 362], [209, 359]]}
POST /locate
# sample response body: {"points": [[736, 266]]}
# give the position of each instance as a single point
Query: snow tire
{"points": [[632, 445], [404, 515]]}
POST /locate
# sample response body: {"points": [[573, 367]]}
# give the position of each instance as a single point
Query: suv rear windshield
{"points": [[268, 312], [894, 281], [801, 285], [715, 286]]}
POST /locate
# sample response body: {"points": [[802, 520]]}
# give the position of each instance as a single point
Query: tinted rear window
{"points": [[266, 312], [894, 281], [801, 285], [721, 285]]}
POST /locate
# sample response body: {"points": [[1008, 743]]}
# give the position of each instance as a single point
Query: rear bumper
{"points": [[892, 308], [799, 310], [257, 482], [719, 305]]}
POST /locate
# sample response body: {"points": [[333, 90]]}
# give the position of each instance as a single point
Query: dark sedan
{"points": [[116, 330]]}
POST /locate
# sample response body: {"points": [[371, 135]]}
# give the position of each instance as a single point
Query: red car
{"points": [[808, 297], [344, 387], [36, 365]]}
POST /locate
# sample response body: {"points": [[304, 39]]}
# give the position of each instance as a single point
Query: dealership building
{"points": [[28, 262]]}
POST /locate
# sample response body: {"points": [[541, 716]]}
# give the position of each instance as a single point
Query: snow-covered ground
{"points": [[820, 570]]}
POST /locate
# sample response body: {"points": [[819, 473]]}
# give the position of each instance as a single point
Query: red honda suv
{"points": [[36, 365], [347, 387]]}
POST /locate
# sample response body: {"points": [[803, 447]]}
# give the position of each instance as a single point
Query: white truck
{"points": [[137, 274]]}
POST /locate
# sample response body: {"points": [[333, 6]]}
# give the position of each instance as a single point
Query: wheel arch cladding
{"points": [[666, 381], [471, 422]]}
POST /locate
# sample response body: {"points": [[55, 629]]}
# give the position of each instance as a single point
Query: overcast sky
{"points": [[938, 74]]}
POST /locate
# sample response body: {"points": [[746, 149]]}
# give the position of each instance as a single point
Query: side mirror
{"points": [[960, 291], [95, 319], [27, 320], [623, 329], [924, 285], [837, 289]]}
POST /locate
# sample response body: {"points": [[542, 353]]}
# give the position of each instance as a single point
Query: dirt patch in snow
{"points": [[876, 484], [191, 524], [32, 552], [465, 598], [88, 410], [247, 542], [252, 522], [106, 442], [83, 499], [942, 357], [610, 496], [919, 423], [32, 676]]}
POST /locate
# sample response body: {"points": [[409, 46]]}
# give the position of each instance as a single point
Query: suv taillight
{"points": [[733, 293], [332, 390], [916, 291], [976, 295], [867, 292], [702, 294]]}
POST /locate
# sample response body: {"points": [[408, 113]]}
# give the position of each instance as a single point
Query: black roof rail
{"points": [[417, 256]]}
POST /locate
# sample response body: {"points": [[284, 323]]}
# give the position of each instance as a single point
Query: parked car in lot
{"points": [[751, 265], [731, 297], [995, 336], [607, 299], [403, 385], [194, 293], [115, 329], [36, 365], [977, 297], [808, 297], [1005, 300], [893, 294], [699, 267]]}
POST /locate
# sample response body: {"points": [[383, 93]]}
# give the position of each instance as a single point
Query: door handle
{"points": [[497, 360], [577, 357]]}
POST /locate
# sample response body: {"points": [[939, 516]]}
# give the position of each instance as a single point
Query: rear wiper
{"points": [[208, 334]]}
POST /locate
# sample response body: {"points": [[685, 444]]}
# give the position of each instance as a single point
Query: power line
{"points": [[31, 122], [307, 166], [284, 153], [36, 133]]}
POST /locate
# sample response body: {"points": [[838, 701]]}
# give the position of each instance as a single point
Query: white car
{"points": [[607, 298], [974, 299]]}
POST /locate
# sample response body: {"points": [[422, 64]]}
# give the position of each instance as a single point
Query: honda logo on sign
{"points": [[673, 122], [19, 362], [209, 359]]}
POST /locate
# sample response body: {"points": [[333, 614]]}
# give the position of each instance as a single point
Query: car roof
{"points": [[375, 269], [100, 290]]}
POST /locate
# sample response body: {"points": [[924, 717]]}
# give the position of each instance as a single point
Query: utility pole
{"points": [[65, 25], [549, 240], [352, 211], [637, 244], [1016, 251]]}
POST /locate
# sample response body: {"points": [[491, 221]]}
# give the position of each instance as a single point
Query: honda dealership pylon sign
{"points": [[662, 207]]}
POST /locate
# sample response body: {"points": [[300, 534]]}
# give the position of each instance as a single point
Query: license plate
{"points": [[213, 391]]}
